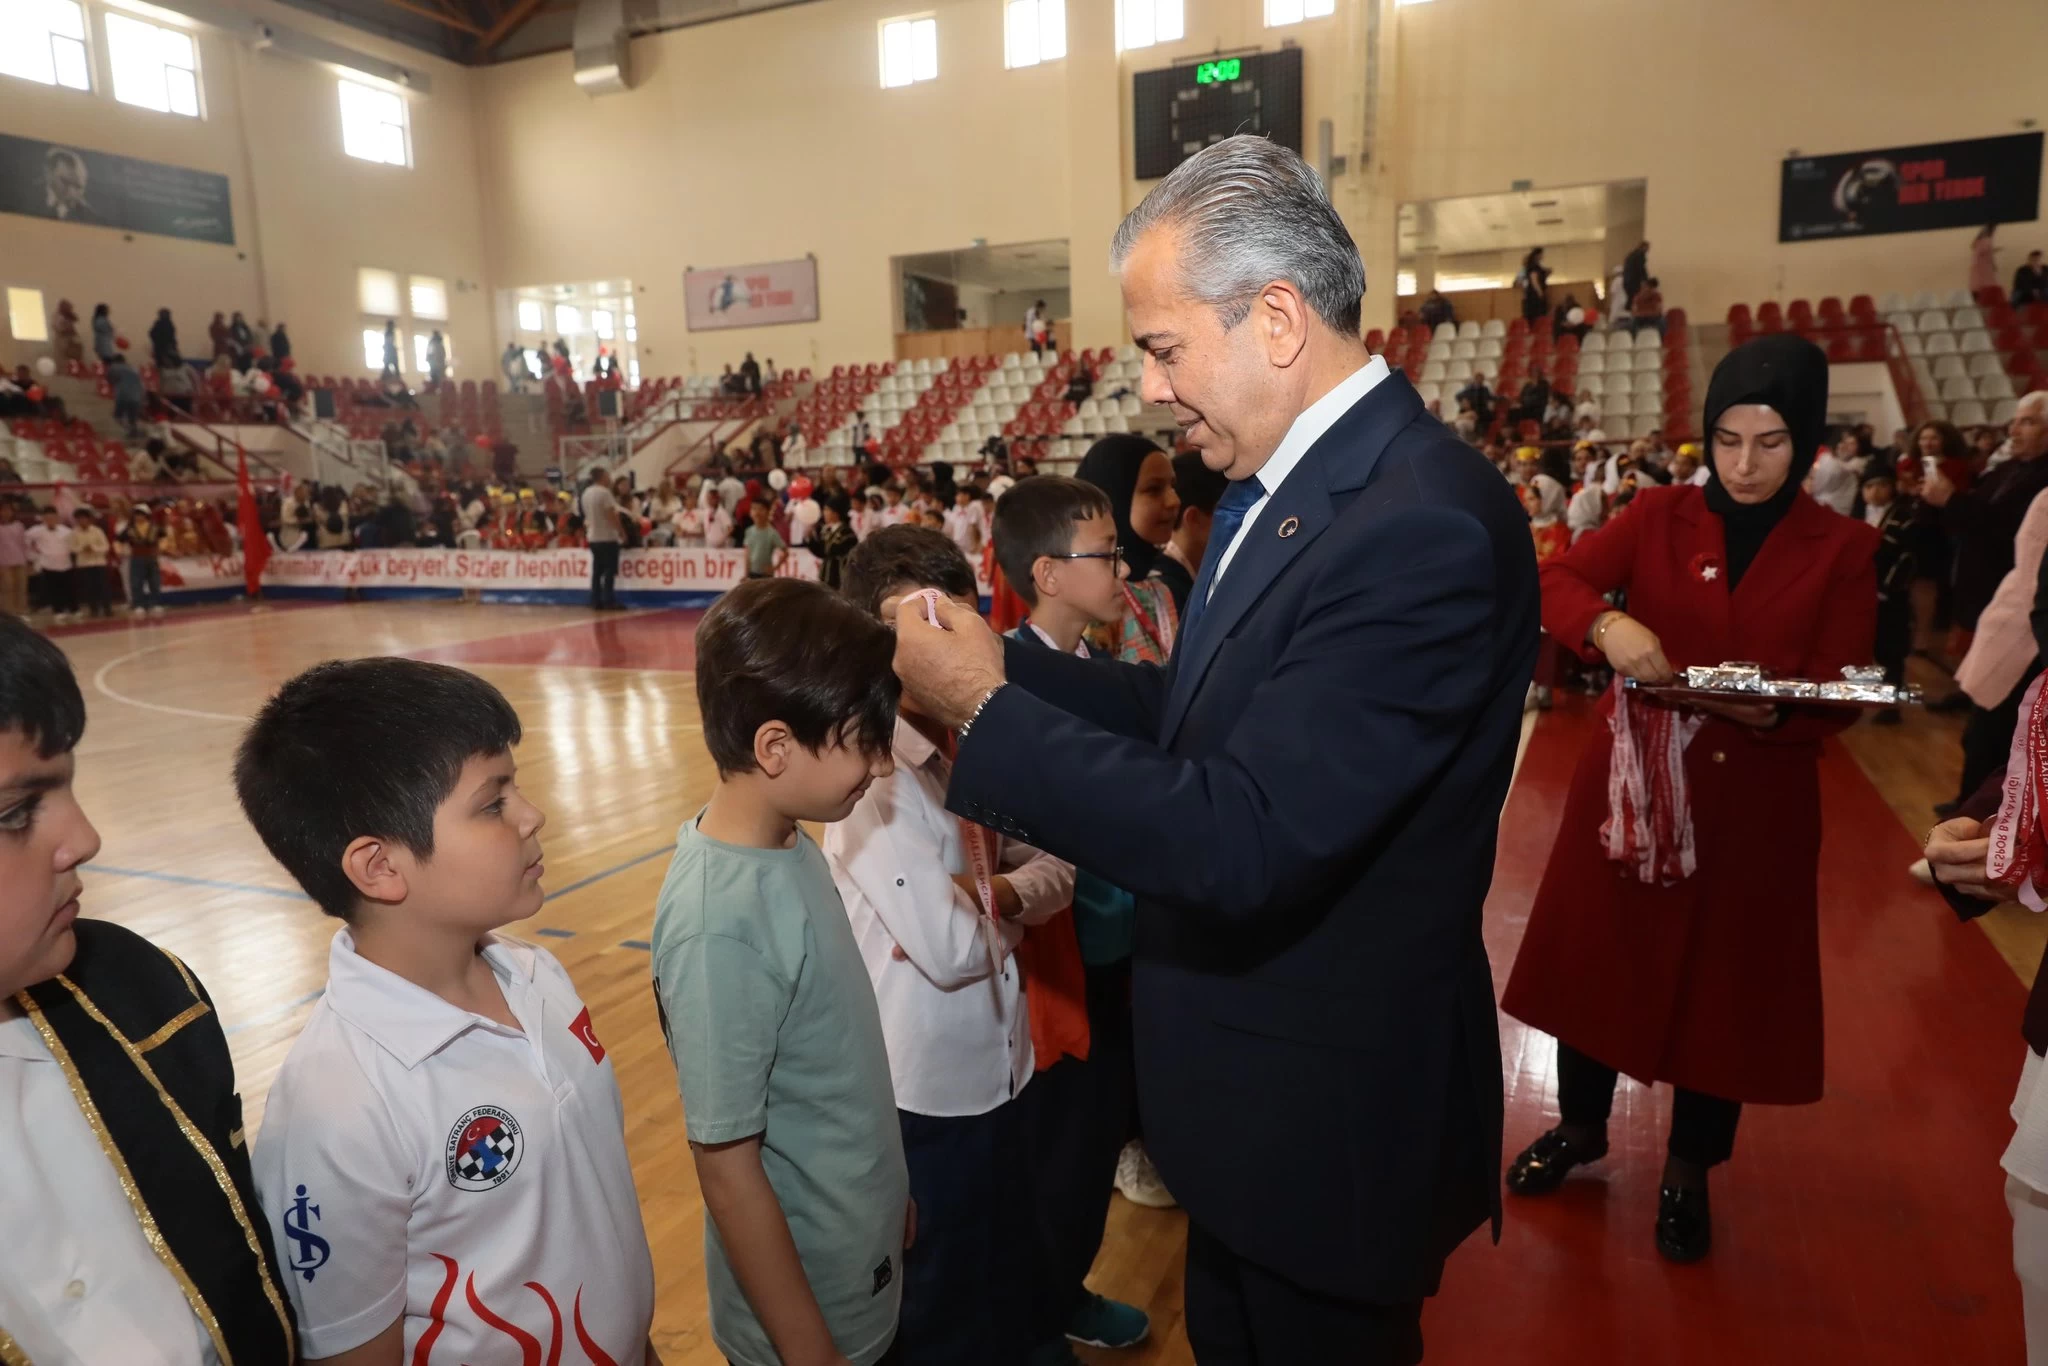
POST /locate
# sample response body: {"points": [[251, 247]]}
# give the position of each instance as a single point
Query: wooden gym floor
{"points": [[1869, 1227]]}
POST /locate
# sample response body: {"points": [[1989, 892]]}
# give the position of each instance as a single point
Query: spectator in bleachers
{"points": [[512, 365], [795, 451], [1984, 261], [1464, 422], [1037, 328], [13, 557], [280, 345], [1534, 282], [1570, 318], [126, 383], [564, 363], [64, 333], [331, 522], [437, 360], [605, 370], [243, 338], [750, 375], [1635, 274], [1479, 397], [2030, 282], [163, 343], [1535, 397], [103, 335], [391, 346], [1586, 429], [1646, 308], [1437, 310], [1080, 384], [1557, 416], [217, 333], [717, 520]]}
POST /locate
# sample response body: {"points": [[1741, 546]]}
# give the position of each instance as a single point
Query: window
{"points": [[373, 347], [568, 318], [601, 323], [44, 40], [429, 297], [25, 315], [154, 67], [910, 51], [532, 316], [1034, 31], [1141, 23], [1280, 12], [372, 124], [377, 291]]}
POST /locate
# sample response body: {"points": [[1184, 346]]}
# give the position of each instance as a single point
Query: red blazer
{"points": [[1712, 983]]}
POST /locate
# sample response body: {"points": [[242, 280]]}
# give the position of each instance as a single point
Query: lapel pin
{"points": [[1289, 527]]}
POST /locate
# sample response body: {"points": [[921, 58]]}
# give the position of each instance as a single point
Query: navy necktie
{"points": [[1237, 500]]}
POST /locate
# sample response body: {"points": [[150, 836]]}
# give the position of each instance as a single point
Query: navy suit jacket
{"points": [[1304, 802]]}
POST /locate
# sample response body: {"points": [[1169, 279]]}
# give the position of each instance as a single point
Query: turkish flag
{"points": [[255, 545]]}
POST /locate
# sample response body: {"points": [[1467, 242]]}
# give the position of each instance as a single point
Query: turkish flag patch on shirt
{"points": [[587, 1036]]}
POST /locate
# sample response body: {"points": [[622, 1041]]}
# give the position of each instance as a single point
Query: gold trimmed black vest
{"points": [[140, 1044]]}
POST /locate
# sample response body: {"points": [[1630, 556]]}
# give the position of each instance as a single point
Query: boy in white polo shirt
{"points": [[443, 1158]]}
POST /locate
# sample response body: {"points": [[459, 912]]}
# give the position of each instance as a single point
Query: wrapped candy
{"points": [[1861, 685]]}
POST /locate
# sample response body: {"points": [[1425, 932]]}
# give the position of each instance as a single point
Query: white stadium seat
{"points": [[2003, 411], [1985, 363], [1595, 341], [1958, 387], [1968, 413], [1594, 363], [1903, 322], [1949, 367], [1958, 298], [1933, 320], [1995, 387], [1975, 342], [1468, 330], [1922, 300], [1891, 302], [1493, 327], [1966, 317], [1648, 340], [1941, 344]]}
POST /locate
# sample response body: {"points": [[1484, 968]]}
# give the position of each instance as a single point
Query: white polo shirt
{"points": [[420, 1160]]}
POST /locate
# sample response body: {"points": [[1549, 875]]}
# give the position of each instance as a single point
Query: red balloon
{"points": [[35, 393], [121, 342], [288, 364], [483, 441]]}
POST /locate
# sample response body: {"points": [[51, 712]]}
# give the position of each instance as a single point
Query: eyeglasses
{"points": [[1115, 555]]}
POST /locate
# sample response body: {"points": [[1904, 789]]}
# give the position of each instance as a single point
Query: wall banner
{"points": [[752, 296], [78, 185], [1911, 189]]}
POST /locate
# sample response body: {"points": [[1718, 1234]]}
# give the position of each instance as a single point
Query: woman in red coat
{"points": [[1709, 978]]}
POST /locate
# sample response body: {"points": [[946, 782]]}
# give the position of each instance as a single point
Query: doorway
{"points": [[1471, 248]]}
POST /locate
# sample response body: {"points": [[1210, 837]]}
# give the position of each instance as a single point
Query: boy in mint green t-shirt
{"points": [[767, 1007]]}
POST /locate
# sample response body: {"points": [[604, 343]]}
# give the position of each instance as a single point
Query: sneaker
{"points": [[138, 612], [1921, 872], [1103, 1322], [157, 612], [1139, 1180]]}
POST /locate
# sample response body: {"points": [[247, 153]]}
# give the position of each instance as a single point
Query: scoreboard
{"points": [[1183, 109]]}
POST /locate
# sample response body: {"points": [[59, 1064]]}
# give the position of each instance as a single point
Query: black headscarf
{"points": [[1112, 465], [1790, 374]]}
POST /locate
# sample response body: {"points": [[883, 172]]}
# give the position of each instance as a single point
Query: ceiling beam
{"points": [[438, 16], [519, 12]]}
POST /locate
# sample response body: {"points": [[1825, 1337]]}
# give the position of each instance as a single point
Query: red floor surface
{"points": [[635, 640], [1869, 1228]]}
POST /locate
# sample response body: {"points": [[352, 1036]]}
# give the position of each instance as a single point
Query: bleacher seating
{"points": [[1955, 357]]}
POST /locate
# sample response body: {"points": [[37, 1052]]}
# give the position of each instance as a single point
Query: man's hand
{"points": [[946, 672], [1956, 851]]}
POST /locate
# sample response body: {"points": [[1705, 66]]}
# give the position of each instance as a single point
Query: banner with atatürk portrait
{"points": [[78, 185]]}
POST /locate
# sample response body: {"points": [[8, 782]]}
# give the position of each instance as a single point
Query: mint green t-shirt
{"points": [[762, 542], [772, 1025]]}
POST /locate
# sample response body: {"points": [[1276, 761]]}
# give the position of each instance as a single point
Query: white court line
{"points": [[100, 685]]}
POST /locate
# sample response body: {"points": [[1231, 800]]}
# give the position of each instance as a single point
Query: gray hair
{"points": [[1249, 212]]}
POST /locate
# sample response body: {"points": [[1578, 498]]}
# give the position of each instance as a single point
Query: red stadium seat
{"points": [[1839, 349], [1830, 311], [1863, 308], [1769, 318], [1800, 314]]}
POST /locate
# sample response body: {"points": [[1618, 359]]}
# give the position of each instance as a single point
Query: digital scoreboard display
{"points": [[1183, 109]]}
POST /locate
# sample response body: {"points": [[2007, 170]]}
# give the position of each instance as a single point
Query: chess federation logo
{"points": [[309, 1251], [483, 1149]]}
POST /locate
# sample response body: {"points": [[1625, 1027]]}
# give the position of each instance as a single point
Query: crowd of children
{"points": [[59, 569]]}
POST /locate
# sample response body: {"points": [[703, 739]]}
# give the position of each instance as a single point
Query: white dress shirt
{"points": [[85, 1288], [1308, 429], [959, 1035]]}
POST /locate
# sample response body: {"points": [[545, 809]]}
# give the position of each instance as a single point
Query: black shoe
{"points": [[1888, 717], [1542, 1167], [1685, 1229]]}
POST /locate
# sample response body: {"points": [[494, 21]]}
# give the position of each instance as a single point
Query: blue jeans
{"points": [[145, 582]]}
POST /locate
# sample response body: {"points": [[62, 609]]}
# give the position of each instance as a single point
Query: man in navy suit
{"points": [[1304, 800]]}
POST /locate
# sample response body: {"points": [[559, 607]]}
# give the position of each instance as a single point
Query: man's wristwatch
{"points": [[975, 715]]}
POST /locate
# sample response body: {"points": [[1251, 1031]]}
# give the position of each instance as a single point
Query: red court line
{"points": [[640, 640], [1868, 1228]]}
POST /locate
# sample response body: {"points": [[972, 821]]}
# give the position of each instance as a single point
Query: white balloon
{"points": [[1576, 316], [806, 513], [1001, 485], [778, 480], [46, 367]]}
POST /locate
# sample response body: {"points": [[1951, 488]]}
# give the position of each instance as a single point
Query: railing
{"points": [[134, 491]]}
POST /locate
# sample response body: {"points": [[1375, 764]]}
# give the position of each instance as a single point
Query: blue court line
{"points": [[274, 1013], [184, 881], [668, 848], [553, 933], [641, 944]]}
